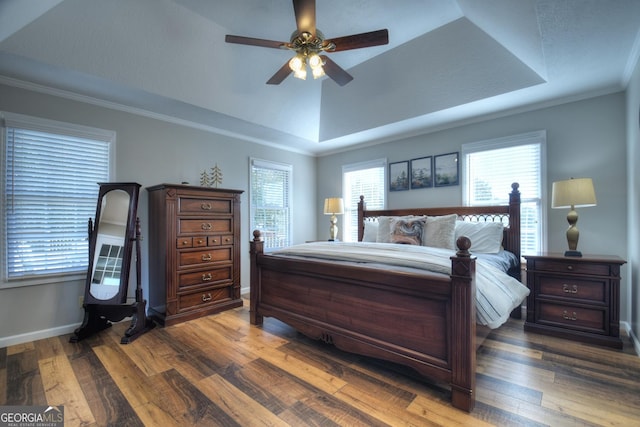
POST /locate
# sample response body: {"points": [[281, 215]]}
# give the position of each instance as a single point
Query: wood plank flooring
{"points": [[219, 370]]}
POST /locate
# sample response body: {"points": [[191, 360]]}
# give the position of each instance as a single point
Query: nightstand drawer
{"points": [[568, 266], [574, 317], [575, 288]]}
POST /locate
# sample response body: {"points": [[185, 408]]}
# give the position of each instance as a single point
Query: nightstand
{"points": [[575, 297]]}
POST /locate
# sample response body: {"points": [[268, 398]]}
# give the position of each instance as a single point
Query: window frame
{"points": [[349, 212], [22, 121], [269, 164], [537, 137]]}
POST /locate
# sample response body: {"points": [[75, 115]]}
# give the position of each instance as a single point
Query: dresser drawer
{"points": [[226, 239], [207, 256], [585, 319], [575, 288], [203, 298], [189, 205], [210, 276], [184, 242], [208, 225], [567, 266]]}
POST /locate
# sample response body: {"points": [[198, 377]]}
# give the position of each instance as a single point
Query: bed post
{"points": [[361, 219], [256, 247], [514, 220], [463, 327]]}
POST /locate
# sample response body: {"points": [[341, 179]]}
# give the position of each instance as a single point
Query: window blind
{"points": [[271, 202], [490, 167], [50, 193], [361, 179]]}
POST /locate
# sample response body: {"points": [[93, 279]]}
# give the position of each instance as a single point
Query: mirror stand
{"points": [[111, 247], [98, 317]]}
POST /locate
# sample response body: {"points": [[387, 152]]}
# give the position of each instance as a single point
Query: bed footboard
{"points": [[424, 321]]}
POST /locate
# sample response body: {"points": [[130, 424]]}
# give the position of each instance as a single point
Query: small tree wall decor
{"points": [[211, 180]]}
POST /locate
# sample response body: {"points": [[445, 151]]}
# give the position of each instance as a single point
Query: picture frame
{"points": [[399, 176], [446, 170], [421, 172]]}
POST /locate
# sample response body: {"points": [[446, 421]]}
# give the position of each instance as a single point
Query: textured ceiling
{"points": [[447, 61]]}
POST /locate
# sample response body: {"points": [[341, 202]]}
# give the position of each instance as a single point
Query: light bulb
{"points": [[315, 61], [296, 63], [300, 74], [317, 72]]}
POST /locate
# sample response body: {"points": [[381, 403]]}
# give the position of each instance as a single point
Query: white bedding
{"points": [[497, 293]]}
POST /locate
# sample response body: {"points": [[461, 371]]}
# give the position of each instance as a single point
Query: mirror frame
{"points": [[133, 190]]}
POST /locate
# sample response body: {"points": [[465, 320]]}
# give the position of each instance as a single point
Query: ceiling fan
{"points": [[308, 42]]}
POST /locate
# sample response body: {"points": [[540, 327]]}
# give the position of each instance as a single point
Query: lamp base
{"points": [[573, 253]]}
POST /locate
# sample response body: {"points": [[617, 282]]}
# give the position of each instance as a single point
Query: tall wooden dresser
{"points": [[194, 251]]}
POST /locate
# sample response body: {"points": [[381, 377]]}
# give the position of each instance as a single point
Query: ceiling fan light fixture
{"points": [[315, 61], [297, 63], [300, 74], [317, 72]]}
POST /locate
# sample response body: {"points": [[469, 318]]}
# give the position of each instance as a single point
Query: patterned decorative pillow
{"points": [[407, 231]]}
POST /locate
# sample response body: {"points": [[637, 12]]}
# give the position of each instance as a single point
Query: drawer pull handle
{"points": [[206, 257], [206, 226], [206, 297], [570, 267], [573, 289], [565, 315], [206, 277], [206, 206]]}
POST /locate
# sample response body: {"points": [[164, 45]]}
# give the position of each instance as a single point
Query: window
{"points": [[50, 173], [489, 168], [361, 179], [270, 203]]}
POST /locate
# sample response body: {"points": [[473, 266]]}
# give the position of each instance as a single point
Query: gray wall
{"points": [[584, 139], [149, 152], [632, 303]]}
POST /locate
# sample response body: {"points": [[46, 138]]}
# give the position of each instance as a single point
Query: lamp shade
{"points": [[333, 206], [573, 193]]}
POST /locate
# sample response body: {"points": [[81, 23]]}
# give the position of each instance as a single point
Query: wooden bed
{"points": [[425, 321]]}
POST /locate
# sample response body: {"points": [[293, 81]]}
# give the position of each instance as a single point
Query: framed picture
{"points": [[446, 170], [399, 176], [422, 173]]}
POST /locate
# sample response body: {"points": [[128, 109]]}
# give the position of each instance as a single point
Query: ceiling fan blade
{"points": [[280, 75], [336, 72], [305, 11], [357, 41], [255, 42]]}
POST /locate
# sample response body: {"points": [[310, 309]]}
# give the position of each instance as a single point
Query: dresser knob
{"points": [[570, 267]]}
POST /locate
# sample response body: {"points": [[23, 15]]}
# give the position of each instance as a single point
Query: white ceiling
{"points": [[447, 62]]}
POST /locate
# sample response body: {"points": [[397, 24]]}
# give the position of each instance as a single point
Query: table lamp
{"points": [[333, 206], [573, 193]]}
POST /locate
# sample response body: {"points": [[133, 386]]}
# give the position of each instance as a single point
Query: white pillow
{"points": [[486, 237], [370, 231], [439, 231]]}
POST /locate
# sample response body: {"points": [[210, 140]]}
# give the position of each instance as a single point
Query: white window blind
{"points": [[270, 204], [489, 169], [361, 179], [51, 175]]}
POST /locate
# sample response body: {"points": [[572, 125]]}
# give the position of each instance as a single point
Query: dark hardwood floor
{"points": [[219, 370]]}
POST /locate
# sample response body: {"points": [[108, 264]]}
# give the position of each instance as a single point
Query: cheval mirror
{"points": [[111, 242]]}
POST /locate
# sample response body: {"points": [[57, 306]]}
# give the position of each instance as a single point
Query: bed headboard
{"points": [[509, 215]]}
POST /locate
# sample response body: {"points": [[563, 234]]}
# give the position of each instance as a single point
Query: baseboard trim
{"points": [[626, 327], [38, 335]]}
